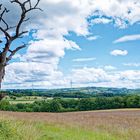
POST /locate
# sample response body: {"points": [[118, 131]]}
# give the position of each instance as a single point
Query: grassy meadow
{"points": [[28, 99], [91, 125], [25, 99]]}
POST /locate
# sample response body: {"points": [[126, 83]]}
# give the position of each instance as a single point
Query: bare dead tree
{"points": [[6, 54]]}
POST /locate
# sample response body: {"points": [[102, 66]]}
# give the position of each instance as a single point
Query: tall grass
{"points": [[105, 125], [28, 130], [18, 130]]}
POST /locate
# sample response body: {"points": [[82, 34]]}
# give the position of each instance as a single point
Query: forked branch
{"points": [[12, 53], [25, 7]]}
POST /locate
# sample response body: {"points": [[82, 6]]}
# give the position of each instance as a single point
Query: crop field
{"points": [[92, 125], [29, 99], [25, 99]]}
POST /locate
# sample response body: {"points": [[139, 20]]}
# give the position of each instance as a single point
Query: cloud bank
{"points": [[59, 17]]}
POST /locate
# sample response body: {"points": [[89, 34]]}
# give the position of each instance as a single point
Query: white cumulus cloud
{"points": [[40, 62], [109, 67], [119, 52], [101, 20], [128, 38], [93, 37], [132, 64], [84, 59]]}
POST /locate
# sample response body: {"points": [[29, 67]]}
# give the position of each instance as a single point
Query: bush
{"points": [[65, 105], [4, 105]]}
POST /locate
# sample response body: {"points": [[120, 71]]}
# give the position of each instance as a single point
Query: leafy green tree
{"points": [[86, 104], [55, 106], [133, 101], [4, 105]]}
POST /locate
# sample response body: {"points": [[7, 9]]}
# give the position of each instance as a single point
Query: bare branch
{"points": [[30, 4], [4, 30], [26, 6], [2, 19], [14, 52], [24, 13]]}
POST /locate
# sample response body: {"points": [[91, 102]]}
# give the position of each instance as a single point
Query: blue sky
{"points": [[102, 46], [92, 43]]}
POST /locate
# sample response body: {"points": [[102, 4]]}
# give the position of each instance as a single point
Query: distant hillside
{"points": [[74, 92]]}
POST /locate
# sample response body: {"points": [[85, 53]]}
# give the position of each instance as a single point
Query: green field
{"points": [[25, 99], [93, 125], [29, 99]]}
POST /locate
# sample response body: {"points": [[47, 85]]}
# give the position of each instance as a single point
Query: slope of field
{"points": [[92, 125]]}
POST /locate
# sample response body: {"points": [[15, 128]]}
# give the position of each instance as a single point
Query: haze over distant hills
{"points": [[82, 90]]}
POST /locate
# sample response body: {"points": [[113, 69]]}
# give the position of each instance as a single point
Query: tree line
{"points": [[68, 94], [65, 105]]}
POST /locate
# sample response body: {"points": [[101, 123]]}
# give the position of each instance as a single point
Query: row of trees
{"points": [[56, 94], [64, 105], [49, 94]]}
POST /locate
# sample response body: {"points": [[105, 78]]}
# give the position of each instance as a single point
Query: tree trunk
{"points": [[2, 73], [2, 66], [2, 70]]}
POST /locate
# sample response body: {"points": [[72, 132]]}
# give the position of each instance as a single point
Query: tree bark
{"points": [[2, 66], [2, 73]]}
